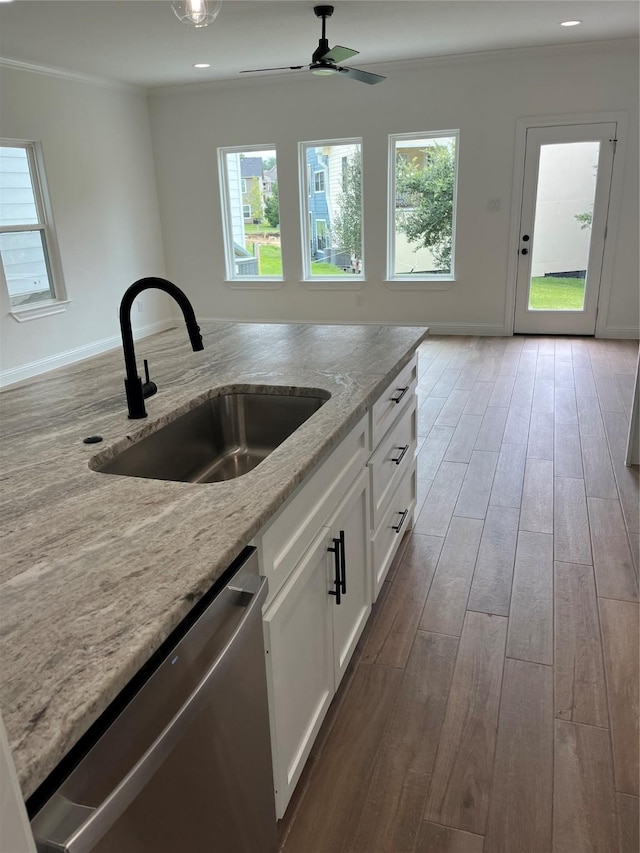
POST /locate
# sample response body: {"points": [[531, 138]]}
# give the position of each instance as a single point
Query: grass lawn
{"points": [[322, 268], [271, 264], [548, 293], [270, 260]]}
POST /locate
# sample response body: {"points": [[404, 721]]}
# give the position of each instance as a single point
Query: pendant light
{"points": [[198, 13]]}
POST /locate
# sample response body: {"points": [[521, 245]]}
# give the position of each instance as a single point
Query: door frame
{"points": [[615, 198]]}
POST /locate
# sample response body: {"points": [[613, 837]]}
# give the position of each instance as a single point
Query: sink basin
{"points": [[220, 439]]}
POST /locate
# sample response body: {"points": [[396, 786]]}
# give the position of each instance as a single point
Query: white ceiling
{"points": [[141, 41]]}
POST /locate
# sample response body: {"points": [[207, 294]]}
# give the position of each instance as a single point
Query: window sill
{"points": [[444, 283], [35, 312], [347, 283], [255, 284]]}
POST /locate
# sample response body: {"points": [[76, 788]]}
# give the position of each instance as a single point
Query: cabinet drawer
{"points": [[291, 531], [393, 457], [395, 522], [389, 403]]}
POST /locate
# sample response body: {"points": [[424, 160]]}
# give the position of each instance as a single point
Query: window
{"points": [[27, 245], [332, 209], [422, 205], [251, 216]]}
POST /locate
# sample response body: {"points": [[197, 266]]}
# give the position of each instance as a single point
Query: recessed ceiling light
{"points": [[570, 23], [202, 65]]}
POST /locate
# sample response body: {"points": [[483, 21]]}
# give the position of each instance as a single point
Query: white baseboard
{"points": [[631, 332], [468, 329], [52, 362]]}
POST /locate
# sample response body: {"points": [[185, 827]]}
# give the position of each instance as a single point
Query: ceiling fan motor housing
{"points": [[323, 12]]}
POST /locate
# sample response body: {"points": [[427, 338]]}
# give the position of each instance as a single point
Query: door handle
{"points": [[337, 570]]}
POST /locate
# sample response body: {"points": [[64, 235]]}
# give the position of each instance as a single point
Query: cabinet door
{"points": [[350, 524], [299, 655]]}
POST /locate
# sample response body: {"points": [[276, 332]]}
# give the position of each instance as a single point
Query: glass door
{"points": [[567, 181]]}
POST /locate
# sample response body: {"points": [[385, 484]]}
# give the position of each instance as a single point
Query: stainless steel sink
{"points": [[220, 439]]}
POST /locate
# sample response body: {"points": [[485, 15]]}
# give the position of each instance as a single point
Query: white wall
{"points": [[483, 96], [98, 159]]}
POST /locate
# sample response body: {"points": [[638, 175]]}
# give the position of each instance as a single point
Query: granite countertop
{"points": [[95, 569]]}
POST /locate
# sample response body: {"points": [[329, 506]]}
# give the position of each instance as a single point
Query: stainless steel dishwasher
{"points": [[185, 766]]}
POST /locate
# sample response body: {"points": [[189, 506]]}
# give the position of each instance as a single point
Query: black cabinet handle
{"points": [[337, 579], [397, 527], [343, 563], [399, 459], [402, 391]]}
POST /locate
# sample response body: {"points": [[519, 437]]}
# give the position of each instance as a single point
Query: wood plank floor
{"points": [[491, 705]]}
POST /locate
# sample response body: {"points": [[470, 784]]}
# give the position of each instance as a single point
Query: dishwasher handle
{"points": [[67, 827]]}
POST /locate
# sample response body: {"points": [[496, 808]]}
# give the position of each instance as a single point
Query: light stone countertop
{"points": [[96, 570]]}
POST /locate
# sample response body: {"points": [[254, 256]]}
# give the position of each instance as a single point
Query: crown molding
{"points": [[76, 77], [605, 46]]}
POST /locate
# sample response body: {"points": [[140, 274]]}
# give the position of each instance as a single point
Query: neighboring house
{"points": [[337, 160], [252, 188], [566, 188], [269, 178], [245, 262], [318, 205]]}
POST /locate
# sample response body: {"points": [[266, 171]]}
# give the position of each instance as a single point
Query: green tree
{"points": [[347, 224], [585, 219], [268, 163], [272, 207], [255, 200], [425, 187]]}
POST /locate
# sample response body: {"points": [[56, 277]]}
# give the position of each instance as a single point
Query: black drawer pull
{"points": [[397, 527], [399, 459], [402, 391], [337, 581], [343, 563]]}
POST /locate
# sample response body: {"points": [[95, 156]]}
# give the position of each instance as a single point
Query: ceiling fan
{"points": [[324, 60]]}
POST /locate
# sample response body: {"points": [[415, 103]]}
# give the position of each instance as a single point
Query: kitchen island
{"points": [[96, 570]]}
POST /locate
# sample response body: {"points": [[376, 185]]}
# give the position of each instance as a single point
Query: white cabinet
{"points": [[393, 470], [311, 631], [300, 669], [326, 554], [350, 557]]}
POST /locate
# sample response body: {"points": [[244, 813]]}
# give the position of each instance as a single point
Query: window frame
{"points": [[58, 300], [320, 174], [347, 282], [251, 282], [423, 282]]}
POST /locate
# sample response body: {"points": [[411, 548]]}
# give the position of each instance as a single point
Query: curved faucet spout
{"points": [[133, 384]]}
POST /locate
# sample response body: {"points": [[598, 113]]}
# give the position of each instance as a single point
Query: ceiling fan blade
{"points": [[283, 68], [363, 76], [339, 54]]}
